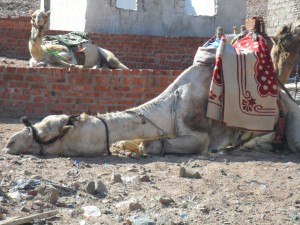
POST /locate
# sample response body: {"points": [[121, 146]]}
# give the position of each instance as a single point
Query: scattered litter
{"points": [[91, 211]]}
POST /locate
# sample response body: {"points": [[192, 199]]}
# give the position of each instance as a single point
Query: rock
{"points": [[145, 178], [4, 60], [27, 173], [24, 209], [133, 206], [90, 188], [3, 209], [184, 173], [116, 178], [165, 200], [132, 169], [1, 216], [204, 210], [297, 201], [49, 193], [75, 185], [100, 187], [223, 173], [141, 220]]}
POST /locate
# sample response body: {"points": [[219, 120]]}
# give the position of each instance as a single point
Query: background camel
{"points": [[286, 49], [50, 54]]}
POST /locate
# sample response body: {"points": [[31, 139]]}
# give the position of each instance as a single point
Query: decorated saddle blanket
{"points": [[243, 91], [69, 39]]}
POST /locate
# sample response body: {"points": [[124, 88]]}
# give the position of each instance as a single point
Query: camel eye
{"points": [[11, 143]]}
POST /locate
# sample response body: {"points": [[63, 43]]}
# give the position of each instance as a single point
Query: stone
{"points": [[116, 178], [24, 209], [145, 178], [184, 173], [90, 188], [133, 206], [49, 193], [100, 187], [166, 200], [132, 169]]}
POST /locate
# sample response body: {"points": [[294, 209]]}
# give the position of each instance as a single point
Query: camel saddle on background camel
{"points": [[243, 92]]}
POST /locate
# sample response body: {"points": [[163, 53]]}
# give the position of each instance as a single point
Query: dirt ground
{"points": [[234, 187], [17, 8]]}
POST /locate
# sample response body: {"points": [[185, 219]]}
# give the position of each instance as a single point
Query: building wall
{"points": [[280, 12], [152, 17]]}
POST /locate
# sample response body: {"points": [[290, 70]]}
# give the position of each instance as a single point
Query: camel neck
{"points": [[127, 125], [36, 38]]}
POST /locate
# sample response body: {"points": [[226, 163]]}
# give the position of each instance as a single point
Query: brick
{"points": [[100, 88], [61, 87], [9, 76], [39, 86], [35, 78], [18, 84], [21, 97]]}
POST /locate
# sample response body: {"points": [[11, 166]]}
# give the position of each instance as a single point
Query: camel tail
{"points": [[112, 61]]}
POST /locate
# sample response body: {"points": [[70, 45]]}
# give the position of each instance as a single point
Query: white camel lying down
{"points": [[179, 112]]}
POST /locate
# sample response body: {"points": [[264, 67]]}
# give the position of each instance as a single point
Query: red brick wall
{"points": [[135, 51], [43, 91]]}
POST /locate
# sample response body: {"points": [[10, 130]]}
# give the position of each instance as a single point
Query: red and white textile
{"points": [[243, 90]]}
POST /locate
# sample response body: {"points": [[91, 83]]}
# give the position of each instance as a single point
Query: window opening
{"points": [[200, 7], [127, 4]]}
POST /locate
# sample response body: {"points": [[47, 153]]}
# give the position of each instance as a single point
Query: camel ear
{"points": [[66, 129], [48, 13]]}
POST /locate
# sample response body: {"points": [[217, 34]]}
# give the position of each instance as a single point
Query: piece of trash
{"points": [[82, 222], [69, 205], [130, 179], [26, 184], [77, 162], [294, 216], [183, 215], [91, 211]]}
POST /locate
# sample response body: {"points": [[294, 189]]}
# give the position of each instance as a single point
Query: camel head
{"points": [[296, 29], [40, 138], [287, 32], [39, 19]]}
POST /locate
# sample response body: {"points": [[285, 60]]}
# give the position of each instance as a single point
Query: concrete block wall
{"points": [[135, 51], [37, 92], [280, 12]]}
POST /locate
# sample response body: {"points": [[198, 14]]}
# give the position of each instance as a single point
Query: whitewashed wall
{"points": [[151, 17]]}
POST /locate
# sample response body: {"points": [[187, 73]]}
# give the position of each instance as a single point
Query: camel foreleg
{"points": [[188, 144]]}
